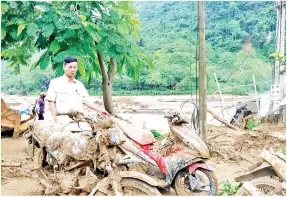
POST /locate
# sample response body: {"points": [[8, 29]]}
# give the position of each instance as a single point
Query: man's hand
{"points": [[96, 108], [105, 113], [57, 120]]}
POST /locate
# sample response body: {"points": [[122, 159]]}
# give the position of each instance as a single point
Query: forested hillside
{"points": [[240, 36]]}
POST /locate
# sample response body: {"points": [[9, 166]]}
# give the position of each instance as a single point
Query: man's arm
{"points": [[51, 98], [53, 110], [91, 105]]}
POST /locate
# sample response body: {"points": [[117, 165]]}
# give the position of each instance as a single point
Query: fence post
{"points": [[256, 96]]}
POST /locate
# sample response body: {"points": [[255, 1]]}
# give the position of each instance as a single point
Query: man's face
{"points": [[70, 69]]}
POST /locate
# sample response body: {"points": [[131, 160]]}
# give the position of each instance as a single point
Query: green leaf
{"points": [[60, 13], [15, 22], [280, 58], [276, 54], [121, 65], [44, 62], [3, 32], [13, 4], [89, 77], [4, 8], [20, 29], [32, 29], [85, 23], [48, 30], [55, 47], [60, 56], [93, 33], [150, 64], [75, 26], [83, 17], [81, 67], [16, 69], [59, 70]]}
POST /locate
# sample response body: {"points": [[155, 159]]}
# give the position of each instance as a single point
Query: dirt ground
{"points": [[232, 152]]}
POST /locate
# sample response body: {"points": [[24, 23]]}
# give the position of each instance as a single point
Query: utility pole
{"points": [[280, 35], [202, 72], [279, 80]]}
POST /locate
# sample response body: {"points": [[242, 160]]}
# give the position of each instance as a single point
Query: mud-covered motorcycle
{"points": [[176, 161], [125, 167]]}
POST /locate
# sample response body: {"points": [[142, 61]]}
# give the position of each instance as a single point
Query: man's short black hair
{"points": [[70, 59]]}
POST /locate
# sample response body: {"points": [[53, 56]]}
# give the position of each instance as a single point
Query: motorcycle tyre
{"points": [[261, 181], [133, 183], [181, 190]]}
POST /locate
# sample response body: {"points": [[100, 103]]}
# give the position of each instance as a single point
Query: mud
{"points": [[228, 144], [231, 151]]}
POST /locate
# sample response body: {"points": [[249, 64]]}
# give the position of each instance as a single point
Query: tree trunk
{"points": [[107, 82], [107, 96]]}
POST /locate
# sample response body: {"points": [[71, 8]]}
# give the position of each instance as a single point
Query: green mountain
{"points": [[236, 33]]}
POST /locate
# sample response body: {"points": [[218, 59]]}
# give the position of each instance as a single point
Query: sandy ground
{"points": [[231, 151], [17, 181]]}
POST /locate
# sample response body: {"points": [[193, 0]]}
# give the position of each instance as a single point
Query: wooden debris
{"points": [[251, 189], [281, 156], [222, 120], [255, 165], [215, 136], [245, 158], [43, 173], [221, 154], [76, 165], [10, 164]]}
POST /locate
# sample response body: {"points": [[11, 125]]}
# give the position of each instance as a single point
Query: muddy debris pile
{"points": [[72, 162], [228, 144]]}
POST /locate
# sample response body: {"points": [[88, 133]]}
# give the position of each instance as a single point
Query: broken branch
{"points": [[10, 164], [76, 165], [222, 120]]}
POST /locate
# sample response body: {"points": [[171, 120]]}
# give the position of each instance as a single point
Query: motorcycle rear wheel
{"points": [[182, 185], [265, 185], [132, 187]]}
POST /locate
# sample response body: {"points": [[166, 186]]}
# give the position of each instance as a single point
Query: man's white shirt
{"points": [[69, 96]]}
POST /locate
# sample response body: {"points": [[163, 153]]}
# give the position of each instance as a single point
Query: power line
{"points": [[239, 65]]}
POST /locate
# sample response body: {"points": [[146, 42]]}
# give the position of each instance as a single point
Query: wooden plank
{"points": [[10, 164]]}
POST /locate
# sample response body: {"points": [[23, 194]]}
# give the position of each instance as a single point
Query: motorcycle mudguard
{"points": [[192, 168], [191, 140]]}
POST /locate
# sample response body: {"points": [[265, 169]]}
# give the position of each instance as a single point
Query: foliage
{"points": [[240, 36], [284, 151], [278, 57], [156, 134], [226, 188], [252, 123], [169, 29], [78, 29], [29, 82]]}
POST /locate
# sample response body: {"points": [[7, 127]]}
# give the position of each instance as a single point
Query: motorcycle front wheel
{"points": [[265, 185], [132, 187], [203, 181]]}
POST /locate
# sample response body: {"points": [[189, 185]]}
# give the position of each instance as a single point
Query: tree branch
{"points": [[113, 70], [102, 66], [222, 120]]}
